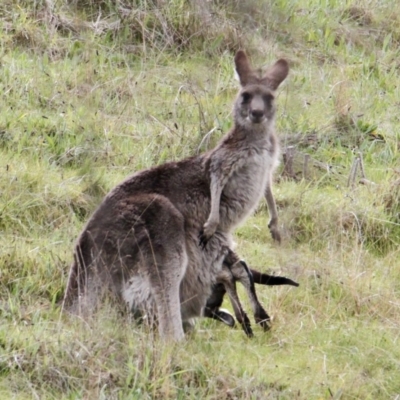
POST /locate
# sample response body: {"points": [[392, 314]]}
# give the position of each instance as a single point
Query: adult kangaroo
{"points": [[158, 239]]}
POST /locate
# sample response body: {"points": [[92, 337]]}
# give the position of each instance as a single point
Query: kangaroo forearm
{"points": [[217, 185], [273, 212], [273, 222]]}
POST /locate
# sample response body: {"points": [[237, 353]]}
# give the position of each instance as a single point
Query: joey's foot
{"points": [[225, 317], [263, 319], [265, 324], [245, 322], [247, 330]]}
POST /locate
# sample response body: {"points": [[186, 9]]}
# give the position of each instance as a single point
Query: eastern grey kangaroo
{"points": [[142, 243]]}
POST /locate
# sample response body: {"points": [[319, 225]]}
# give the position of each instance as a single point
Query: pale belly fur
{"points": [[245, 189]]}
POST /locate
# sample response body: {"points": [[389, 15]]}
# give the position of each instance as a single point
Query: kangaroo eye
{"points": [[268, 98], [246, 97]]}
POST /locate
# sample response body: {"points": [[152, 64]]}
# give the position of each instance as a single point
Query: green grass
{"points": [[92, 91]]}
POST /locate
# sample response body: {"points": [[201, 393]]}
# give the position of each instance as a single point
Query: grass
{"points": [[95, 90]]}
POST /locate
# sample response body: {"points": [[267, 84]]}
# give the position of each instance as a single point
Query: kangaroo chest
{"points": [[247, 184]]}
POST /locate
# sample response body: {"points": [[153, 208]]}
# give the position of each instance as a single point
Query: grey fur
{"points": [[142, 243]]}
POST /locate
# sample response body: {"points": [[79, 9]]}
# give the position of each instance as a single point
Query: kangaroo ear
{"points": [[243, 67], [276, 74]]}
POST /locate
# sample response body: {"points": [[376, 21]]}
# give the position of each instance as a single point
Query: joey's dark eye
{"points": [[246, 97]]}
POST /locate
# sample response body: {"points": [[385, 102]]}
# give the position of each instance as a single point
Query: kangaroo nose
{"points": [[257, 114]]}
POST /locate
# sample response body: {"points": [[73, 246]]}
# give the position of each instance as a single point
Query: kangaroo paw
{"points": [[203, 240]]}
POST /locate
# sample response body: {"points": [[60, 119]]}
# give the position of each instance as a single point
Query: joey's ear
{"points": [[243, 67], [276, 74]]}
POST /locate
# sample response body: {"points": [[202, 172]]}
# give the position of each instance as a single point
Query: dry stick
{"points": [[350, 174], [353, 172], [357, 162], [288, 161], [206, 138], [363, 180], [361, 165], [305, 166]]}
